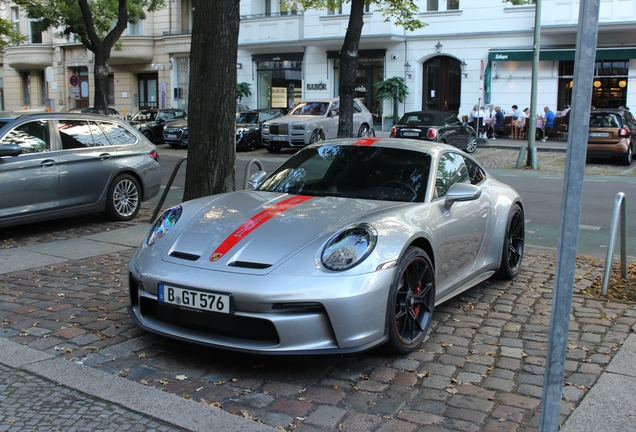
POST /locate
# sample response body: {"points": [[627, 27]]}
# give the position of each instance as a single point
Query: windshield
{"points": [[604, 120], [246, 117], [310, 108], [382, 174]]}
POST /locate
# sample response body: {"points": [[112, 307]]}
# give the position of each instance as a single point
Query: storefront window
{"points": [[609, 85], [370, 71], [279, 83]]}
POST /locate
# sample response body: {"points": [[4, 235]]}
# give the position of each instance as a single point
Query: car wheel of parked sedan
{"points": [[315, 137], [273, 149], [250, 142], [471, 145], [512, 253], [627, 159], [411, 301], [364, 131], [124, 198]]}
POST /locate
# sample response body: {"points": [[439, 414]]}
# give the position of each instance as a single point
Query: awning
{"points": [[560, 54], [278, 57]]}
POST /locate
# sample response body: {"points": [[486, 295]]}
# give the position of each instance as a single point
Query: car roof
{"points": [[430, 147]]}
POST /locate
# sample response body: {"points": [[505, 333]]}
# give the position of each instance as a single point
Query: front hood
{"points": [[253, 232], [178, 123], [296, 119]]}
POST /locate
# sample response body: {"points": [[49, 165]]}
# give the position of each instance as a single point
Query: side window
{"points": [[99, 137], [451, 170], [179, 114], [118, 134], [75, 134], [476, 174], [33, 137], [356, 107]]}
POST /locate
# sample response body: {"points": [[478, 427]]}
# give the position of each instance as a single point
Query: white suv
{"points": [[311, 121]]}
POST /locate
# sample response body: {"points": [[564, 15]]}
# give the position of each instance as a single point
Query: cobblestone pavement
{"points": [[481, 368], [31, 403]]}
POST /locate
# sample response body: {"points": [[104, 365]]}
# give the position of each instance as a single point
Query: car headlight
{"points": [[163, 224], [349, 247], [266, 127], [298, 127]]}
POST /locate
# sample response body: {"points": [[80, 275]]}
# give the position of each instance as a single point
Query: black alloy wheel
{"points": [[513, 246], [411, 301]]}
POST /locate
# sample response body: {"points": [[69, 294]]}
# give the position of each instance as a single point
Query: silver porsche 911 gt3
{"points": [[348, 245]]}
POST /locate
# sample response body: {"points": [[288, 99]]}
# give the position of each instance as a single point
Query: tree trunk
{"points": [[349, 68], [212, 104], [100, 75]]}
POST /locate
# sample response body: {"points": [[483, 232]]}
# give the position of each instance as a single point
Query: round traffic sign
{"points": [[74, 80]]}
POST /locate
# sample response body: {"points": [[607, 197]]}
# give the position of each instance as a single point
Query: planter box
{"points": [[386, 124]]}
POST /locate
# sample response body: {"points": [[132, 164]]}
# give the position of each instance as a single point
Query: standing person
{"points": [[548, 129]]}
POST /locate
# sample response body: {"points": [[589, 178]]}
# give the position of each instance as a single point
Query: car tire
{"points": [[364, 131], [513, 244], [250, 142], [148, 135], [315, 137], [273, 149], [471, 145], [124, 198], [411, 301], [627, 159]]}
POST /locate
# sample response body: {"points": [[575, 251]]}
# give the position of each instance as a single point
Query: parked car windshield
{"points": [[382, 174], [145, 115], [246, 117], [310, 108]]}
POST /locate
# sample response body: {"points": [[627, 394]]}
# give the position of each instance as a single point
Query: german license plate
{"points": [[279, 138], [599, 134], [188, 298], [411, 134], [171, 136]]}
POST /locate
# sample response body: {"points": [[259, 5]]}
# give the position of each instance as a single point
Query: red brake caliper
{"points": [[417, 291]]}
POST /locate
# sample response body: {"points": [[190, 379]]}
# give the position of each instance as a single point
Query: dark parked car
{"points": [[151, 122], [612, 134], [248, 126], [176, 134], [56, 165], [436, 126]]}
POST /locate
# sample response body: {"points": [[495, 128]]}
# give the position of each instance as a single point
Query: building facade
{"points": [[468, 53]]}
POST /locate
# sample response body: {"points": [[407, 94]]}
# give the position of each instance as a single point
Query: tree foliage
{"points": [[10, 35], [401, 12], [243, 90], [97, 24]]}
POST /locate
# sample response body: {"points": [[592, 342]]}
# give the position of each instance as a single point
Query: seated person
{"points": [[498, 122]]}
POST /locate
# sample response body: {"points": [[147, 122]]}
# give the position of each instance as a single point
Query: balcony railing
{"points": [[177, 32], [271, 15]]}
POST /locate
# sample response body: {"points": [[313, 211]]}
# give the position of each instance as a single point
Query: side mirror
{"points": [[333, 113], [461, 192], [257, 178], [10, 150]]}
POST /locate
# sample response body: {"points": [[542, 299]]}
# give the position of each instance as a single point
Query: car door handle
{"points": [[105, 156], [47, 163]]}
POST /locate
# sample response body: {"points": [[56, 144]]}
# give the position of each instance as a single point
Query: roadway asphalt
{"points": [[480, 370]]}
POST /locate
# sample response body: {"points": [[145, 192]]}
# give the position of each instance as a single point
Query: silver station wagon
{"points": [[61, 164]]}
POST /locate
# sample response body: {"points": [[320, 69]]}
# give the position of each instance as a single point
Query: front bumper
{"points": [[272, 314]]}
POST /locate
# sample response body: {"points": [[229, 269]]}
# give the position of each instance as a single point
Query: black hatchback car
{"points": [[436, 126], [248, 126]]}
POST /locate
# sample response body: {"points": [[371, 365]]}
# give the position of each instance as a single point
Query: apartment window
{"points": [[288, 9], [35, 31], [15, 18], [434, 5], [136, 29], [186, 14], [336, 11]]}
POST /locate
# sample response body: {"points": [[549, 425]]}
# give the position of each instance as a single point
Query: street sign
{"points": [[74, 80]]}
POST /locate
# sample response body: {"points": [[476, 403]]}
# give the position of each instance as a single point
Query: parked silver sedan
{"points": [[348, 245], [61, 164], [311, 121]]}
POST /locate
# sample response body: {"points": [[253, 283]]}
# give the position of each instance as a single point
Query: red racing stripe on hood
{"points": [[254, 222], [366, 141]]}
